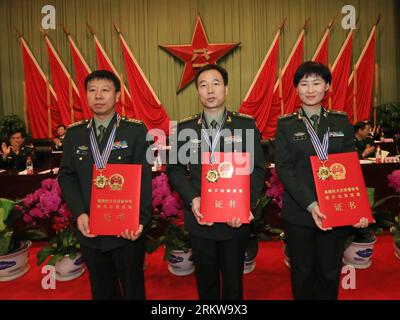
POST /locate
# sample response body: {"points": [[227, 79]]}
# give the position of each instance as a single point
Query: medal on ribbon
{"points": [[100, 181], [212, 174], [101, 160], [320, 148], [323, 172]]}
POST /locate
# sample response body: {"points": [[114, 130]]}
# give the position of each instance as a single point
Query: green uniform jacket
{"points": [[75, 176], [292, 159]]}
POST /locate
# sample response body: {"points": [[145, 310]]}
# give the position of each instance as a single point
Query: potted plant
{"points": [[388, 115], [393, 221], [14, 246], [360, 245], [260, 231], [168, 213], [46, 211]]}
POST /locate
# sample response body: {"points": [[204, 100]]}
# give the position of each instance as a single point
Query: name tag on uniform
{"points": [[299, 136], [233, 139], [336, 134]]}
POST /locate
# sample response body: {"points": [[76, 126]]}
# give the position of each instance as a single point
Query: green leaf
{"points": [[5, 239], [54, 259], [45, 252], [371, 196], [6, 206]]}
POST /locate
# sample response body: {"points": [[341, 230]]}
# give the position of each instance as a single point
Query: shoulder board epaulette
{"points": [[132, 120], [288, 116], [189, 118], [242, 115], [78, 123], [342, 113]]}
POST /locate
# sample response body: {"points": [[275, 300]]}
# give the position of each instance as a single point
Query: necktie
{"points": [[213, 126], [102, 131], [314, 119]]}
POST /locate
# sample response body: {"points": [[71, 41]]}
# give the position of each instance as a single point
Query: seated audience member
{"points": [[14, 156], [58, 141], [362, 143]]}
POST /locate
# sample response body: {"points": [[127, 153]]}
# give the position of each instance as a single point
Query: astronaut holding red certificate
{"points": [[106, 182], [217, 187], [315, 251]]}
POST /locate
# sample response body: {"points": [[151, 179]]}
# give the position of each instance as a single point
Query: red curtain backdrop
{"points": [[81, 72], [258, 100], [289, 93], [104, 63], [61, 79], [365, 78], [36, 94], [147, 106], [340, 75]]}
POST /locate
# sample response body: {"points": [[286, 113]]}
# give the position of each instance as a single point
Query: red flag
{"points": [[288, 90], [147, 105], [258, 100], [365, 78], [61, 81], [82, 70], [37, 98], [340, 75], [105, 63], [321, 54]]}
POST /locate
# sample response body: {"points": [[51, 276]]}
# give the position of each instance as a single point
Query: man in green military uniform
{"points": [[115, 263], [15, 155], [219, 247], [363, 144]]}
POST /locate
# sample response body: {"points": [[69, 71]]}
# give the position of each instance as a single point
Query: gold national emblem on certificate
{"points": [[225, 169], [338, 171], [212, 175], [116, 182], [323, 172], [100, 182]]}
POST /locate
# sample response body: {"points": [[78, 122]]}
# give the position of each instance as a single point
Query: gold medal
{"points": [[212, 175], [101, 181], [323, 172]]}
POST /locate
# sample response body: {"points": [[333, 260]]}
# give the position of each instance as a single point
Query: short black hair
{"points": [[211, 66], [20, 130], [361, 125], [61, 125], [104, 74], [312, 68]]}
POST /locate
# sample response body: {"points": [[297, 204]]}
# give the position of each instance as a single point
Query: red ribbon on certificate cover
{"points": [[341, 191], [225, 187], [115, 199]]}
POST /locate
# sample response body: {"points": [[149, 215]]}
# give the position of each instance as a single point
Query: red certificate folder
{"points": [[342, 197], [116, 207], [229, 195]]}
